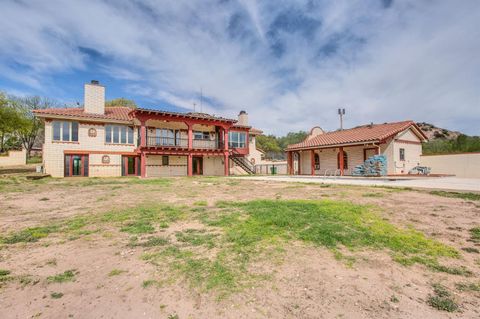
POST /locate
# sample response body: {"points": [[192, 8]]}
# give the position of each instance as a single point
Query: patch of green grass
{"points": [[441, 299], [149, 283], [373, 195], [116, 272], [466, 286], [56, 295], [468, 196], [28, 235], [329, 224], [475, 234], [4, 272], [66, 276], [173, 316], [201, 203], [196, 237], [138, 227], [460, 271], [151, 242]]}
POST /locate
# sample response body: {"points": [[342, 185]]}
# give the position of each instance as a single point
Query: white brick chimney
{"points": [[94, 98], [243, 118]]}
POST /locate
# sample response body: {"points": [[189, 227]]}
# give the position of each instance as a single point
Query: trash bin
{"points": [[273, 170], [39, 169]]}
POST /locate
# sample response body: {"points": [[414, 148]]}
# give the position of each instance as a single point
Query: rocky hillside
{"points": [[436, 133]]}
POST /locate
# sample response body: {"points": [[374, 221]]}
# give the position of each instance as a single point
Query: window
{"points": [[345, 160], [237, 139], [118, 134], [317, 161], [165, 160], [402, 154], [197, 135], [65, 131]]}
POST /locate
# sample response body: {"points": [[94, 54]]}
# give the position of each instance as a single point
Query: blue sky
{"points": [[289, 64]]}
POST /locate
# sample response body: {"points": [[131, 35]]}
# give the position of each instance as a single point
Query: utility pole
{"points": [[341, 112]]}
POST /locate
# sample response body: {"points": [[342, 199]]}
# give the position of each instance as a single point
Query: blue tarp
{"points": [[373, 166]]}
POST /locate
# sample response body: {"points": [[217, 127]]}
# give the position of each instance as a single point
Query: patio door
{"points": [[197, 163], [130, 165], [76, 165]]}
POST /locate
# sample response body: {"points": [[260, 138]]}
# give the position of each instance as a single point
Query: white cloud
{"points": [[290, 64]]}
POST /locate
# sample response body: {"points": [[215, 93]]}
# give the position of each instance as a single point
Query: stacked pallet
{"points": [[373, 166]]}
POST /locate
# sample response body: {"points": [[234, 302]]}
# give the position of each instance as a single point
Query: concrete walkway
{"points": [[439, 183]]}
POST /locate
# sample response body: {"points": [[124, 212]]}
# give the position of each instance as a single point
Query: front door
{"points": [[197, 163]]}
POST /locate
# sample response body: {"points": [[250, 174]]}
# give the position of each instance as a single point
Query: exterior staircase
{"points": [[241, 161]]}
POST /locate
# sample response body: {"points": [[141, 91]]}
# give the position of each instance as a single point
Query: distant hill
{"points": [[437, 133]]}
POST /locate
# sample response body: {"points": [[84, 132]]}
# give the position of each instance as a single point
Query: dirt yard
{"points": [[234, 248]]}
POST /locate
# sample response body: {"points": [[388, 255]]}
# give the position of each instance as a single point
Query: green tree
{"points": [[275, 146], [121, 102], [9, 119], [29, 127]]}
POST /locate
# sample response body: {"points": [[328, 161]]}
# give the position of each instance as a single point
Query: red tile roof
{"points": [[362, 134], [117, 113], [190, 115]]}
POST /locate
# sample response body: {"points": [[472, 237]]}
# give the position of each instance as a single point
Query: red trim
{"points": [[226, 164], [189, 165], [78, 152]]}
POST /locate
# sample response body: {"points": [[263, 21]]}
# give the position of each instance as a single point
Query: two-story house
{"points": [[119, 141]]}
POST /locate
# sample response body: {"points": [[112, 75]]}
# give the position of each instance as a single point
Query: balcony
{"points": [[207, 144], [156, 141]]}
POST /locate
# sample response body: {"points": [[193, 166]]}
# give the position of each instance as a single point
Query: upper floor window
{"points": [[237, 139], [65, 131], [402, 154], [118, 134], [198, 135]]}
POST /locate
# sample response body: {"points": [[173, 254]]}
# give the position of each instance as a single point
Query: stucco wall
{"points": [[177, 166], [13, 158], [213, 166], [461, 165], [328, 160], [53, 151]]}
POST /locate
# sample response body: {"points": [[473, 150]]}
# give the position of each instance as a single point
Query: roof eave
{"points": [[81, 118], [332, 145]]}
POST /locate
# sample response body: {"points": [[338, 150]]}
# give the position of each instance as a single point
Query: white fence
{"points": [[270, 169], [13, 158], [460, 165]]}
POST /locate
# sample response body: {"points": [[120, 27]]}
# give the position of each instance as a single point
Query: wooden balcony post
{"points": [[143, 165], [227, 166], [190, 136], [225, 139], [143, 133], [190, 165]]}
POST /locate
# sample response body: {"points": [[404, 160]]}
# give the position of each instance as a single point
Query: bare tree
{"points": [[30, 126]]}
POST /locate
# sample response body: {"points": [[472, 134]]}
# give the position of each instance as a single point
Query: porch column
{"points": [[226, 166], [190, 136], [143, 134], [143, 165], [289, 163], [225, 139], [340, 154], [189, 164], [299, 163], [312, 161]]}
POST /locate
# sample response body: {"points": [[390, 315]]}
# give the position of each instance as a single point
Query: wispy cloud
{"points": [[290, 64]]}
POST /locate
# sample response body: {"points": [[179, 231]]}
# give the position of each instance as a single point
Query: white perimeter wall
{"points": [[460, 165], [13, 158]]}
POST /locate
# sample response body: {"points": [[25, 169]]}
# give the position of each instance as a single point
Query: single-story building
{"points": [[338, 152]]}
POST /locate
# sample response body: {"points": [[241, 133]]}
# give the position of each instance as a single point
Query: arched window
{"points": [[345, 160], [317, 161]]}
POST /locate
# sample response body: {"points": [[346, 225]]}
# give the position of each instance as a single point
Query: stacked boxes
{"points": [[373, 166]]}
